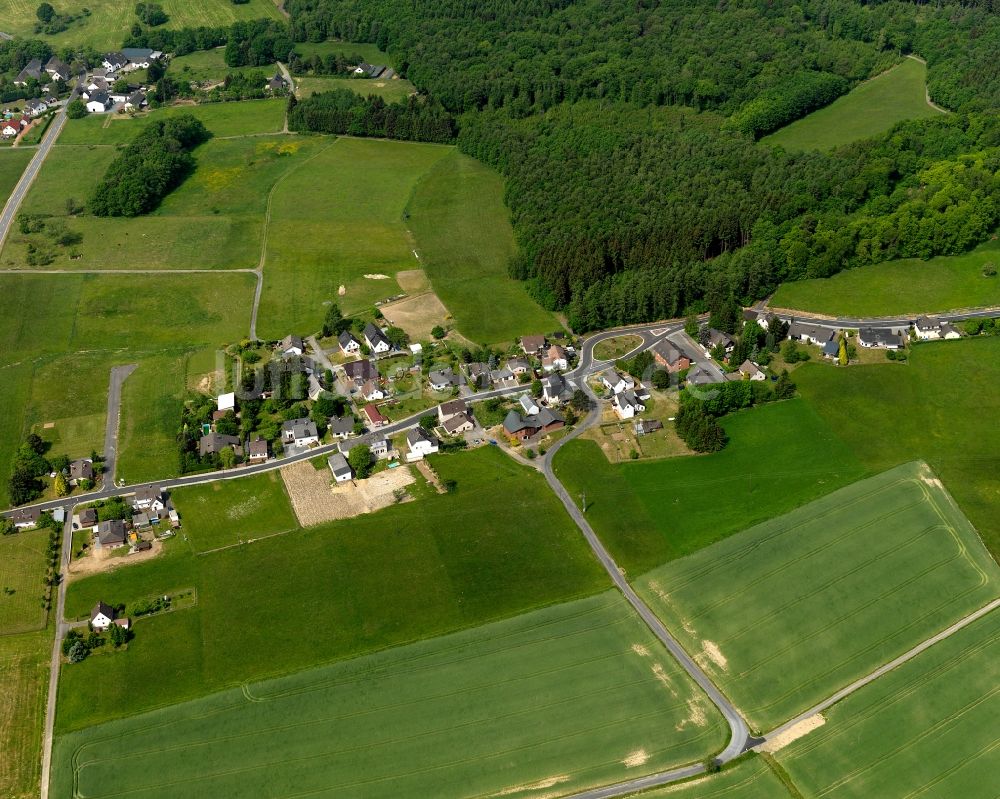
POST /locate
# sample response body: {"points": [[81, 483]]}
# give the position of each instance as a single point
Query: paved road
{"points": [[118, 376], [21, 189], [878, 321]]}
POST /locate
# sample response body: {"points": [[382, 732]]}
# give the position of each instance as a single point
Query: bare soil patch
{"points": [[430, 475], [548, 782], [417, 315], [413, 281], [102, 560], [636, 758], [793, 733], [315, 500], [712, 653]]}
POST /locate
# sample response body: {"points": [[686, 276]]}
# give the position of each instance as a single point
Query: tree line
{"points": [[150, 166], [341, 111]]}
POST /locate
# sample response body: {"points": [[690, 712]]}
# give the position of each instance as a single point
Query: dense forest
{"points": [[345, 112], [626, 132], [152, 164]]}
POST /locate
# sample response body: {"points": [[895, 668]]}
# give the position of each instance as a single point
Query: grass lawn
{"points": [[613, 348], [336, 221], [464, 237], [584, 687], [940, 407], [905, 286], [335, 591], [24, 673], [104, 25], [391, 91], [779, 456], [227, 512], [750, 778], [860, 576], [926, 728], [207, 66], [16, 382], [222, 119], [869, 109], [12, 164], [22, 566]]}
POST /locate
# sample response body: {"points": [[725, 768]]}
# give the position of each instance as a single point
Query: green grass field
{"points": [[16, 392], [23, 557], [905, 286], [104, 25], [336, 221], [12, 164], [335, 591], [750, 778], [584, 687], [225, 513], [204, 66], [929, 728], [938, 408], [465, 240], [392, 91], [869, 109], [860, 576], [779, 456], [24, 673]]}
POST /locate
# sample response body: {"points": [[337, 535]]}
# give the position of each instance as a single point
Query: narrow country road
{"points": [[118, 377], [30, 173]]}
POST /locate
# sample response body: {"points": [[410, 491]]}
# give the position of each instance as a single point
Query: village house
{"points": [[257, 451], [533, 345], [58, 70], [276, 83], [700, 376], [81, 469], [626, 404], [113, 62], [139, 57], [23, 518], [519, 366], [374, 416], [299, 433], [477, 374], [444, 379], [111, 533], [420, 443], [555, 390], [348, 344], [372, 391], [880, 338], [340, 467], [812, 334], [341, 426], [503, 376], [376, 340], [517, 428], [528, 404], [35, 107], [98, 102], [136, 100], [33, 69], [87, 518], [615, 382], [103, 616], [360, 372], [454, 407], [149, 498], [289, 346], [927, 328], [214, 443], [644, 427], [377, 443], [555, 359], [717, 338], [457, 424], [670, 357], [11, 127], [762, 318], [750, 371]]}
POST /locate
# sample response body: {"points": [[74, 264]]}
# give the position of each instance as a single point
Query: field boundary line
{"points": [[884, 669]]}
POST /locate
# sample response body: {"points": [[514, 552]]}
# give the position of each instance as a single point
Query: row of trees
{"points": [[342, 111], [152, 164]]}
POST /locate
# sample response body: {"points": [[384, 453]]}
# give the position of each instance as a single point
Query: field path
{"points": [[927, 91], [846, 691]]}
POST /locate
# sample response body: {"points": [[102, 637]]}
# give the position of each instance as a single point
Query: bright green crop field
{"points": [[12, 164], [392, 91], [24, 673], [867, 110], [906, 286], [227, 512], [750, 778], [105, 24], [568, 697], [23, 557], [779, 456], [860, 576], [938, 408], [928, 728], [465, 242], [333, 591], [335, 222]]}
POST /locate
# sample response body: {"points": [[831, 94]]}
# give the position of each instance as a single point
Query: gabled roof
{"points": [[300, 428], [148, 494], [136, 53], [100, 96], [451, 407], [547, 416], [290, 342], [452, 423], [418, 434], [338, 464], [532, 343], [111, 531], [24, 515], [374, 414], [700, 376], [342, 425], [213, 443], [361, 370], [748, 367], [669, 352], [514, 423], [375, 335], [345, 339], [102, 609], [257, 448]]}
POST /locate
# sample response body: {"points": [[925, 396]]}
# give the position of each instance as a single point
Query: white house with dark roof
{"points": [[340, 467], [290, 345], [420, 443], [149, 498], [555, 390], [98, 102], [626, 404], [447, 410], [23, 518], [376, 340], [299, 433], [880, 338], [103, 616], [812, 334], [348, 344], [528, 405], [616, 382], [33, 69], [444, 379], [928, 328]]}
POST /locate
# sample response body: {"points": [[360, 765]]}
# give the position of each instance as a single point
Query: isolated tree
{"points": [[842, 355], [77, 652], [428, 421], [438, 332], [580, 400], [360, 459], [661, 379], [60, 486], [76, 109], [45, 12]]}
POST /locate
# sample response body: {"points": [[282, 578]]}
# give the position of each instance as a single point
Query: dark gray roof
{"points": [[88, 517], [418, 434], [338, 464], [361, 370], [103, 609], [111, 532], [345, 338], [513, 422], [300, 428], [700, 376], [100, 96], [214, 443], [290, 341], [880, 335], [116, 59], [547, 416], [342, 425], [375, 335], [452, 407], [136, 53]]}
